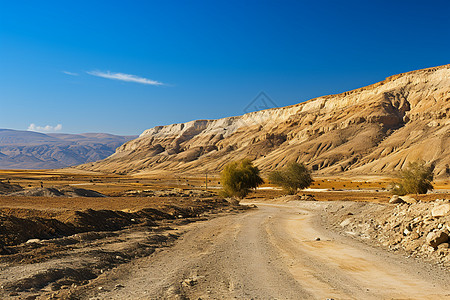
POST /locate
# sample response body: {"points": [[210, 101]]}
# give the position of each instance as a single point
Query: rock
{"points": [[305, 197], [443, 246], [205, 142], [190, 282], [396, 199], [436, 238], [345, 222], [318, 239], [441, 210], [414, 236], [443, 251], [408, 199], [30, 241], [232, 201]]}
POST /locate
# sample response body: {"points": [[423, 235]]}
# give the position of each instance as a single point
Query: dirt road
{"points": [[272, 252]]}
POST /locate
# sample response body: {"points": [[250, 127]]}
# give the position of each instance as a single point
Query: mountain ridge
{"points": [[35, 150], [375, 129]]}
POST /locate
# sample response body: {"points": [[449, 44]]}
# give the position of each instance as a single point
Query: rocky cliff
{"points": [[371, 130]]}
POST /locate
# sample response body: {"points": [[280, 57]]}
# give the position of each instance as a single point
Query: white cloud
{"points": [[124, 77], [46, 128], [70, 73]]}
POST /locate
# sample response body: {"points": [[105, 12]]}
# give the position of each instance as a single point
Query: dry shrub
{"points": [[239, 177]]}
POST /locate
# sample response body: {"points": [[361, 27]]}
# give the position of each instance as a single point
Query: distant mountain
{"points": [[375, 130], [34, 150]]}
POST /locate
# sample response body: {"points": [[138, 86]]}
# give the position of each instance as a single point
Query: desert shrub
{"points": [[292, 177], [416, 178], [239, 177]]}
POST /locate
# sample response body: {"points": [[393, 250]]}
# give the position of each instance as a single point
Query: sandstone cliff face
{"points": [[372, 130]]}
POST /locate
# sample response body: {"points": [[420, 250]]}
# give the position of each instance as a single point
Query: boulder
{"points": [[307, 197], [444, 246], [396, 199], [435, 238], [232, 201], [441, 210], [32, 241], [408, 199]]}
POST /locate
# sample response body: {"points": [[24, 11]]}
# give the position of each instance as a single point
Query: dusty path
{"points": [[269, 253]]}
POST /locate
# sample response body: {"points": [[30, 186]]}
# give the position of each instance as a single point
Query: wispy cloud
{"points": [[46, 128], [124, 77], [70, 73]]}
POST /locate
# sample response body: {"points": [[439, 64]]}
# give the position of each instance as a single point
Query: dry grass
{"points": [[353, 189]]}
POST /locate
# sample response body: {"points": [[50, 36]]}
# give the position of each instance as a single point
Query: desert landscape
{"points": [[151, 220], [254, 150], [86, 236]]}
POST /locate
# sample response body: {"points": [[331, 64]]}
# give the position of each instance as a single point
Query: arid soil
{"points": [[49, 245], [280, 250], [156, 238]]}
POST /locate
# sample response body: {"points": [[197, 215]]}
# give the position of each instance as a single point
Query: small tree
{"points": [[415, 179], [292, 177], [239, 177]]}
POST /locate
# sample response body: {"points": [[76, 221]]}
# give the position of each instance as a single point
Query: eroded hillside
{"points": [[371, 130]]}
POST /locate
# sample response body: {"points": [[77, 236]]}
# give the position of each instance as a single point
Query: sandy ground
{"points": [[272, 252]]}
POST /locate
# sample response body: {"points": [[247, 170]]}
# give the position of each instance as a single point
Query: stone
{"points": [[444, 246], [441, 210], [30, 241], [345, 222], [443, 251], [189, 282], [307, 197], [408, 199], [396, 199], [232, 201], [435, 238], [414, 236]]}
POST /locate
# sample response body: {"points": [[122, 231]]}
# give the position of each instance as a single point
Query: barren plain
{"points": [[169, 238]]}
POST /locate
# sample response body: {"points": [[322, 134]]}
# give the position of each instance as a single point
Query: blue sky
{"points": [[125, 66]]}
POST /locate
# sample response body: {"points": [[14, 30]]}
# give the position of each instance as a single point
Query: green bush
{"points": [[239, 177], [415, 179], [292, 177]]}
